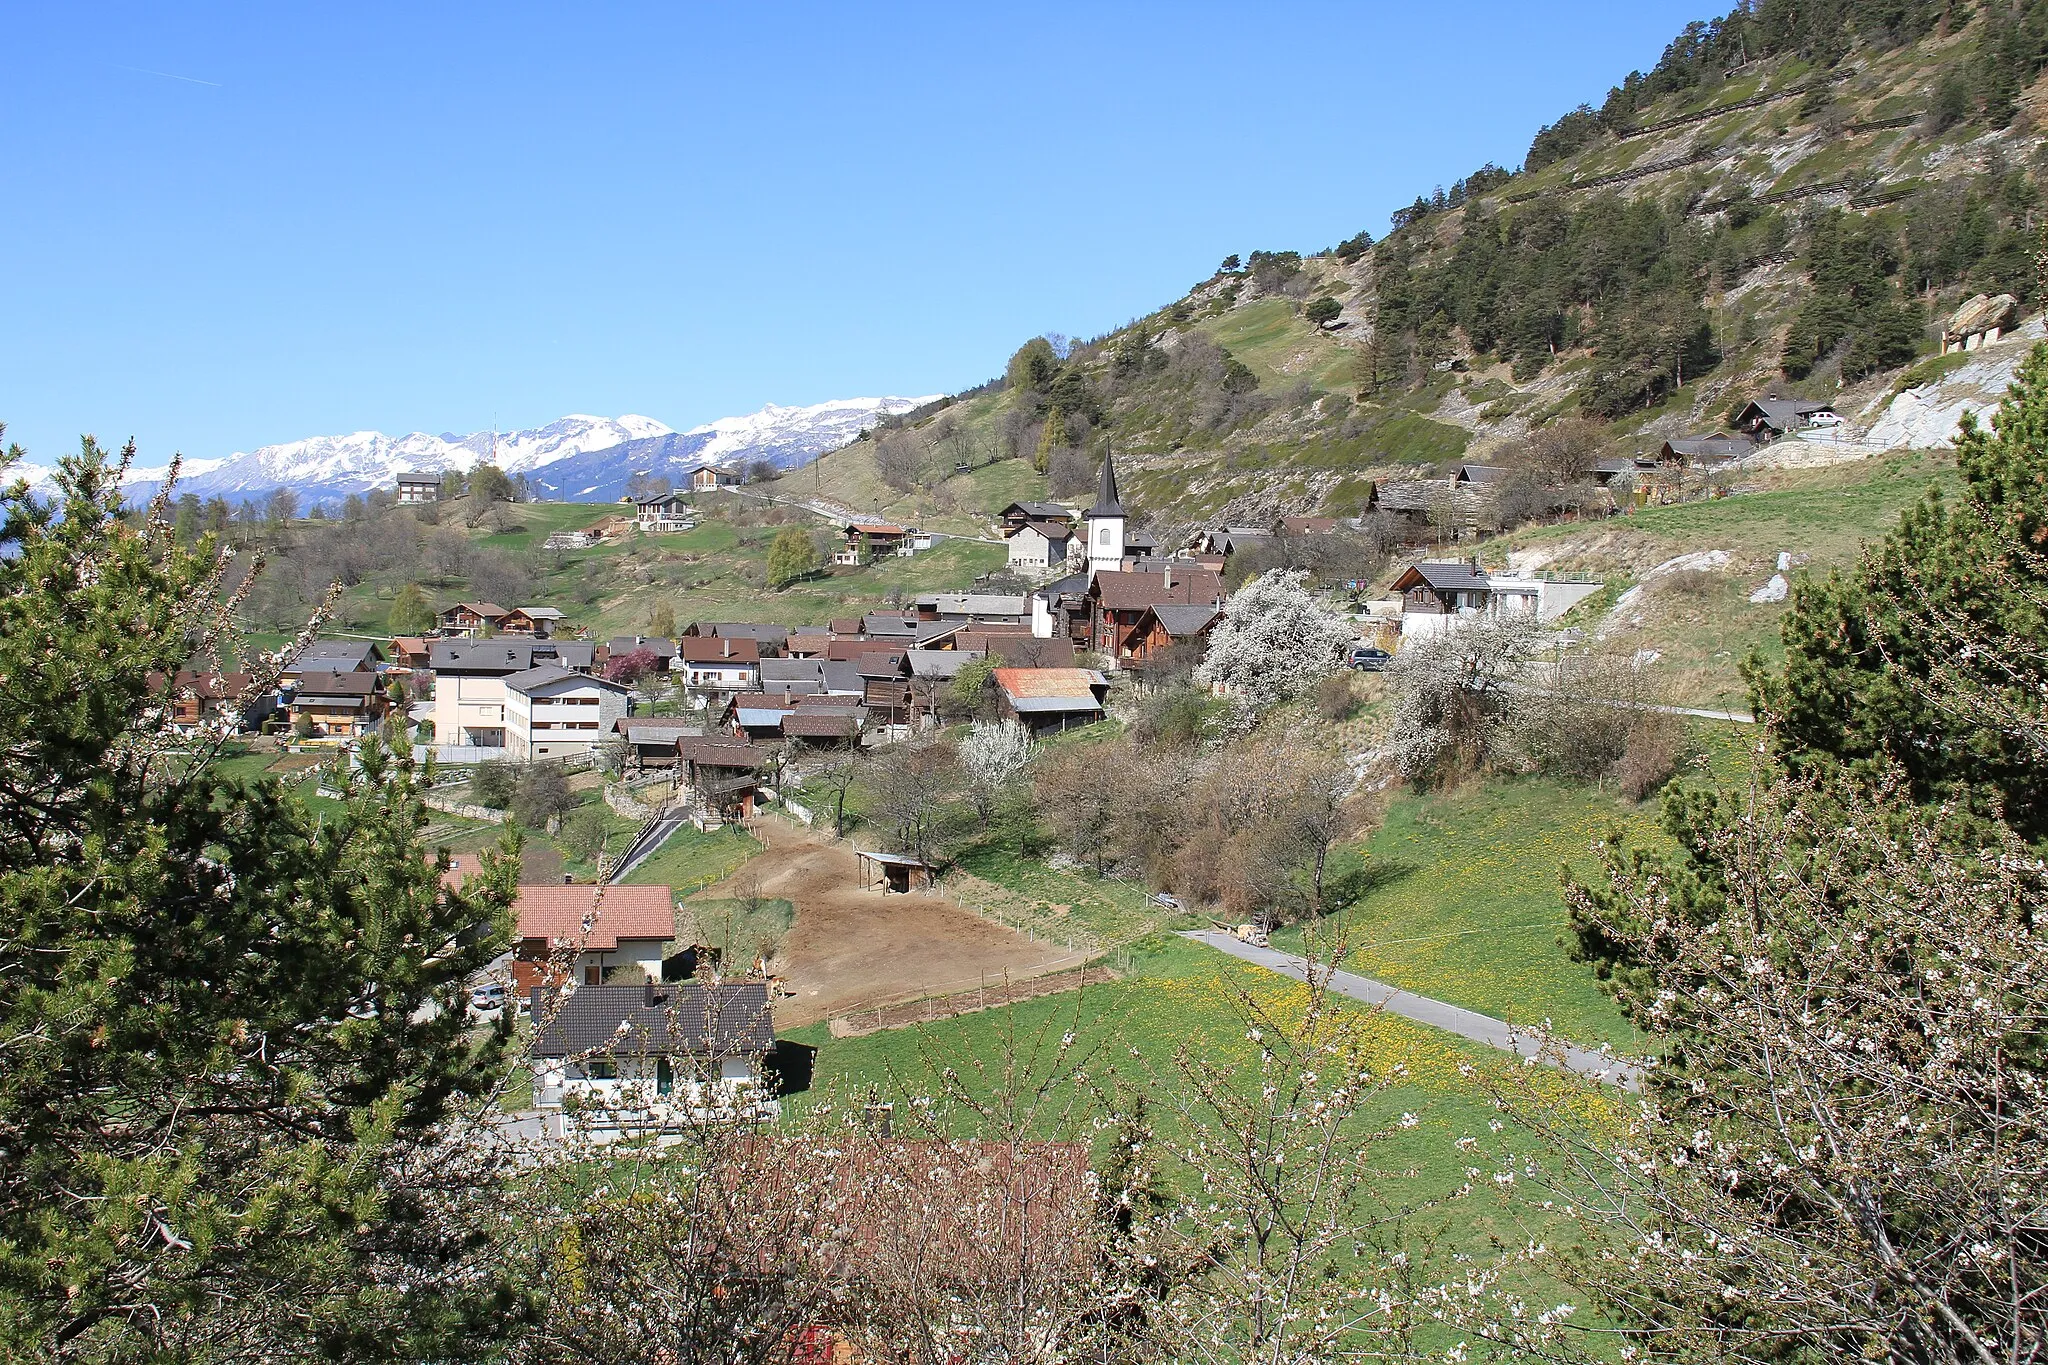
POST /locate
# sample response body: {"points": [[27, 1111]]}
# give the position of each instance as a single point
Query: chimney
{"points": [[568, 880], [1169, 578], [726, 640]]}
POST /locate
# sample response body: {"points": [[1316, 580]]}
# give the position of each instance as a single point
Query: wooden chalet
{"points": [[722, 773], [865, 540], [471, 619], [1766, 419], [1118, 599], [539, 622], [1043, 699], [338, 704], [651, 740], [1166, 628]]}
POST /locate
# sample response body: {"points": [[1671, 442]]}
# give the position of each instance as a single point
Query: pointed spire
{"points": [[1106, 502]]}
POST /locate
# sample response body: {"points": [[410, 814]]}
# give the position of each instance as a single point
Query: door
{"points": [[664, 1077]]}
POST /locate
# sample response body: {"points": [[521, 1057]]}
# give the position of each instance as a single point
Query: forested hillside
{"points": [[1793, 199]]}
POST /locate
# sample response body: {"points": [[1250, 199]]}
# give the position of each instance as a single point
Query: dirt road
{"points": [[852, 949]]}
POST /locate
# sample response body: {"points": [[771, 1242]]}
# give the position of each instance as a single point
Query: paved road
{"points": [[645, 846], [1465, 1023], [1703, 712]]}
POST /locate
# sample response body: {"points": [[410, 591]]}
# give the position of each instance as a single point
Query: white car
{"points": [[1825, 419], [488, 997]]}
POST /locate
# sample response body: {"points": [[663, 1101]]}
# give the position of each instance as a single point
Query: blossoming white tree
{"points": [[993, 756], [1275, 639]]}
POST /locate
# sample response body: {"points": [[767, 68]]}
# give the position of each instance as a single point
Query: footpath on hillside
{"points": [[1601, 1066]]}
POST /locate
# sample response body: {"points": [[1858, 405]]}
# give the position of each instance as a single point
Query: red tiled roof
{"points": [[876, 528], [560, 912], [1048, 682]]}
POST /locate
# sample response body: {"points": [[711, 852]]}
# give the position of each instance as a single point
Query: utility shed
{"points": [[898, 872]]}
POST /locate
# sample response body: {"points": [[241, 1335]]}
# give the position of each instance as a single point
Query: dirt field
{"points": [[852, 949]]}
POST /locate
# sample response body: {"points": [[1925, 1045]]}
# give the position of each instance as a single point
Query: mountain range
{"points": [[577, 458]]}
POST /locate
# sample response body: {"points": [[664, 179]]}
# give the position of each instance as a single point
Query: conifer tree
{"points": [[234, 1040]]}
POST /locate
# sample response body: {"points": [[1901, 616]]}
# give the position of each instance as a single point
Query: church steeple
{"points": [[1106, 502], [1105, 522]]}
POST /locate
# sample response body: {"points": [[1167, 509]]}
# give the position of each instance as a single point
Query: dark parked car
{"points": [[1370, 659]]}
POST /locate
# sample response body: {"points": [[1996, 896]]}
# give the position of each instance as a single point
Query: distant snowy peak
{"points": [[816, 429], [577, 457]]}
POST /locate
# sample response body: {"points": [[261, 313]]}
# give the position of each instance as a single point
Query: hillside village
{"points": [[1477, 792]]}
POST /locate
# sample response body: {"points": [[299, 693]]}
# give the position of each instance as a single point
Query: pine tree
{"points": [[230, 1029]]}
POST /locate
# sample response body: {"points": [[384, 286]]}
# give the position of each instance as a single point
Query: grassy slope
{"points": [[1703, 628], [1466, 904], [1179, 994]]}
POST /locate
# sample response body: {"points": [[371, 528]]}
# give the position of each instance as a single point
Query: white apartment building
{"points": [[551, 712]]}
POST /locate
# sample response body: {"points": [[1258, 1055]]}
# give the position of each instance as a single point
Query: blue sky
{"points": [[225, 227]]}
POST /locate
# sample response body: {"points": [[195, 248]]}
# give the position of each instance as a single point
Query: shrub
{"points": [[493, 783], [1655, 743], [1337, 697]]}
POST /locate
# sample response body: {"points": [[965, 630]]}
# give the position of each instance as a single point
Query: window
{"points": [[601, 1069]]}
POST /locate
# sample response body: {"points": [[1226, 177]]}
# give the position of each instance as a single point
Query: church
{"points": [[1120, 579]]}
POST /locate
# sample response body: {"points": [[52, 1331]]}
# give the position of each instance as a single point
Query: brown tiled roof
{"points": [[205, 686], [876, 528], [1307, 526], [719, 649], [1120, 591], [815, 723], [562, 912], [718, 751], [337, 684]]}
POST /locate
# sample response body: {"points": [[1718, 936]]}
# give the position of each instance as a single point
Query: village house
{"points": [[1704, 452], [1230, 540], [651, 740], [1116, 599], [720, 663], [470, 620], [1766, 419], [986, 608], [1425, 510], [770, 640], [721, 775], [574, 930], [664, 513], [1309, 526], [551, 712], [202, 699], [663, 649], [409, 651], [1435, 596], [337, 705], [1039, 544], [1169, 631], [1051, 699], [1021, 513], [706, 478], [470, 700], [864, 541], [663, 1046], [539, 622], [418, 488]]}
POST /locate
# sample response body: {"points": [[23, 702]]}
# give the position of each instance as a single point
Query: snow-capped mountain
{"points": [[578, 458], [783, 437]]}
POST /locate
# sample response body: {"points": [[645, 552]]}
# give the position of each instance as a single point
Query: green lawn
{"points": [[1466, 904], [1180, 994], [692, 859], [1104, 909]]}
